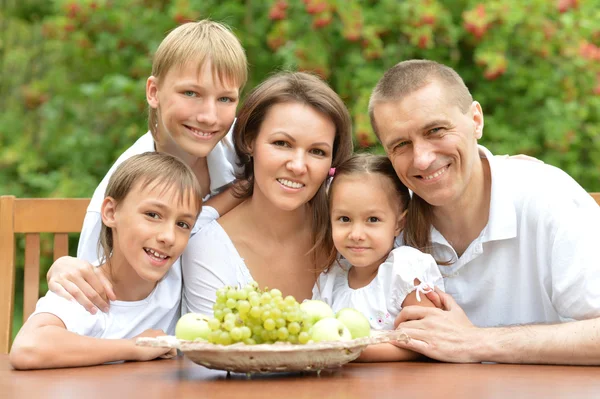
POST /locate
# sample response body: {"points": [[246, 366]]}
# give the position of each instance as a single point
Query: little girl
{"points": [[367, 206], [151, 203]]}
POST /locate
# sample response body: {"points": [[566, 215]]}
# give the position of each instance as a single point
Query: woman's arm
{"points": [[44, 342]]}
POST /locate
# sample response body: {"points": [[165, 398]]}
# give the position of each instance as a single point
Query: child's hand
{"points": [[76, 279], [435, 298], [144, 353]]}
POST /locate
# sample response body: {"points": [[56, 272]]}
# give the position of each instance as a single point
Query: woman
{"points": [[290, 131]]}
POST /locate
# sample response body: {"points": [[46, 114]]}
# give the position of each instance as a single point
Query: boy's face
{"points": [[365, 218], [195, 110], [151, 228]]}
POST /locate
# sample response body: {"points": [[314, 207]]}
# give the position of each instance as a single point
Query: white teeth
{"points": [[156, 254], [289, 183], [199, 133], [436, 174]]}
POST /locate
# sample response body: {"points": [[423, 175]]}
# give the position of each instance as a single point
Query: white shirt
{"points": [[536, 260], [221, 168], [381, 300], [125, 319], [210, 261]]}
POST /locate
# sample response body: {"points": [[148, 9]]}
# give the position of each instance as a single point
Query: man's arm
{"points": [[448, 335], [44, 342], [386, 353]]}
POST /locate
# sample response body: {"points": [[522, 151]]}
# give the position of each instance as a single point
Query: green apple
{"points": [[355, 321], [192, 326], [316, 310], [329, 329]]}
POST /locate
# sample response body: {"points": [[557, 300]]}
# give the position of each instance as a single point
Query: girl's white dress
{"points": [[381, 300]]}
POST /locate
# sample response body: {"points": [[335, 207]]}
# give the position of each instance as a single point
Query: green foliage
{"points": [[74, 71]]}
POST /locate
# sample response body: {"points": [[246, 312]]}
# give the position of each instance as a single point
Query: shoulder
{"points": [[73, 315], [211, 245]]}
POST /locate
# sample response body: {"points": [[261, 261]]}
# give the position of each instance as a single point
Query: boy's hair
{"points": [[200, 42], [368, 164], [409, 76], [148, 169], [292, 87]]}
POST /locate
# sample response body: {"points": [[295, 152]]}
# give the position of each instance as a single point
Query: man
{"points": [[515, 239]]}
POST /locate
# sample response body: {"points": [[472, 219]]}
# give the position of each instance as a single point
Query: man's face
{"points": [[431, 142]]}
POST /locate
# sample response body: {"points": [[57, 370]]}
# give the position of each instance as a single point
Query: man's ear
{"points": [[152, 91], [108, 211], [477, 115]]}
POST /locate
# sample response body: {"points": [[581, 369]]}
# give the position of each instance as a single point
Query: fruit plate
{"points": [[278, 357]]}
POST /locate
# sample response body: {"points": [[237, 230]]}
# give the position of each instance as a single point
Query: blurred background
{"points": [[73, 72]]}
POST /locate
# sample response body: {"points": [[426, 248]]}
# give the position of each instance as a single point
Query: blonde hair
{"points": [[151, 169], [289, 87], [409, 76], [368, 164], [200, 42]]}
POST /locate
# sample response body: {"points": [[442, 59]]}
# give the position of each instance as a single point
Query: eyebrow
{"points": [[425, 127], [197, 86], [293, 140]]}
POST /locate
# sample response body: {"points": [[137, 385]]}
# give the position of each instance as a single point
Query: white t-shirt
{"points": [[160, 310], [381, 300], [221, 168], [210, 261], [536, 260]]}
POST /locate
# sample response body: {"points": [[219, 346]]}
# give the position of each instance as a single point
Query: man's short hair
{"points": [[409, 76]]}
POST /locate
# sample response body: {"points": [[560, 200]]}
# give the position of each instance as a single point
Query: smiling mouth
{"points": [[357, 249], [290, 184], [158, 256], [434, 175], [200, 133]]}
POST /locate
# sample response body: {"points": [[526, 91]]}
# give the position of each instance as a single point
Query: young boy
{"points": [[151, 204], [197, 74]]}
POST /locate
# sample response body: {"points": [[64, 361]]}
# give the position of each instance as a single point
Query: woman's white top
{"points": [[381, 300], [210, 261]]}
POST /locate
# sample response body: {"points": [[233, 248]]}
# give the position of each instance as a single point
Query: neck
{"points": [[126, 283], [198, 165], [275, 223], [462, 221]]}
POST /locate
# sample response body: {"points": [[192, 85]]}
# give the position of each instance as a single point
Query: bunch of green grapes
{"points": [[253, 316]]}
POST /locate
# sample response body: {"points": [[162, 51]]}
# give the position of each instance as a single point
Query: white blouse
{"points": [[381, 300]]}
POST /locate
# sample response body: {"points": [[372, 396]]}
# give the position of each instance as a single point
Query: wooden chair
{"points": [[31, 216]]}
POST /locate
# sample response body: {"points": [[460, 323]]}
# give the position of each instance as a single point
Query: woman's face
{"points": [[292, 154]]}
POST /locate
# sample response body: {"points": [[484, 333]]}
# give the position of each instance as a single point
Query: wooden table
{"points": [[180, 378]]}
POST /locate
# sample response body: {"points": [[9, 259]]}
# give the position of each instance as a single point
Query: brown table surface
{"points": [[181, 378]]}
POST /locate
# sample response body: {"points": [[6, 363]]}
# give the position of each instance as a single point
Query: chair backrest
{"points": [[31, 216]]}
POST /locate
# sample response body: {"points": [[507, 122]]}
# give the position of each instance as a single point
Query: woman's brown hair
{"points": [[303, 88]]}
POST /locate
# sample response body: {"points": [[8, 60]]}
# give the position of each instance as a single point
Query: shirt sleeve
{"points": [[209, 262], [408, 264], [573, 224], [72, 314], [207, 215], [87, 248]]}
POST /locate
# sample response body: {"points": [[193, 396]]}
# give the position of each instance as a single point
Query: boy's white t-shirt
{"points": [[125, 319], [381, 300], [222, 165]]}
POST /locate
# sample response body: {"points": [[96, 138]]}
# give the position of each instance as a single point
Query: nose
{"points": [[207, 114], [297, 163], [423, 155], [166, 234], [357, 232]]}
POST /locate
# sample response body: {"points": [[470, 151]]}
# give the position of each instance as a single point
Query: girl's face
{"points": [[292, 154], [150, 228], [195, 110], [365, 218]]}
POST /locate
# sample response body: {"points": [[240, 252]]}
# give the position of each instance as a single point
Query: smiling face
{"points": [[431, 143], [292, 154], [365, 218], [151, 227], [195, 110]]}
